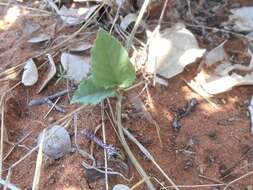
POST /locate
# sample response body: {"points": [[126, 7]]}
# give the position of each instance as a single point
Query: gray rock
{"points": [[57, 142]]}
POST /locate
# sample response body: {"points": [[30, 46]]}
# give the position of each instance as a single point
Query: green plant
{"points": [[61, 75], [111, 71]]}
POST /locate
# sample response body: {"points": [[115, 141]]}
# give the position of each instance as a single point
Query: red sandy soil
{"points": [[218, 140]]}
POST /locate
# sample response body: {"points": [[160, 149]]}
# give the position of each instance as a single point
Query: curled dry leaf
{"points": [[241, 19], [51, 73], [76, 67], [39, 38], [127, 20], [74, 16], [57, 142], [120, 187], [223, 77], [171, 50], [30, 74]]}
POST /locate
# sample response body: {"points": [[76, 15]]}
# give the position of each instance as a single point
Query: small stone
{"points": [[51, 120], [212, 135], [57, 142]]}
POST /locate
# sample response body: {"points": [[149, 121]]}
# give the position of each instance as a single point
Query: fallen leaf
{"points": [[51, 73], [74, 16], [127, 20], [171, 50], [120, 187], [76, 67], [242, 19], [39, 38], [57, 142], [78, 47], [223, 77], [215, 55], [30, 74]]}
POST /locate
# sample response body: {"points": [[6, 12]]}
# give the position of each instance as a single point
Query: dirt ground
{"points": [[213, 146]]}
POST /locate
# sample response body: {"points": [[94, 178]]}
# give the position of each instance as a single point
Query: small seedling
{"points": [[111, 71], [61, 75]]}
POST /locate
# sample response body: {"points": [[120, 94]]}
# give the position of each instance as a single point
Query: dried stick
{"points": [[104, 141], [146, 152], [39, 160], [52, 107], [231, 182], [7, 179], [137, 23], [3, 130], [16, 144], [137, 165], [9, 185]]}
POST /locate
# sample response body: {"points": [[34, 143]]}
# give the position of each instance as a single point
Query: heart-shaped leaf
{"points": [[88, 93], [111, 66]]}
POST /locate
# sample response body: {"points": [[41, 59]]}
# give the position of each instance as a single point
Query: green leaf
{"points": [[110, 64], [88, 93]]}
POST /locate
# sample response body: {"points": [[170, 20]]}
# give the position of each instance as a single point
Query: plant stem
{"points": [[126, 147]]}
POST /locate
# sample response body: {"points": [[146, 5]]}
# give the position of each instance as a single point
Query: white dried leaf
{"points": [[120, 2], [40, 38], [77, 67], [221, 79], [30, 74], [171, 50], [29, 28], [83, 46], [216, 55], [74, 16], [161, 81], [120, 187], [57, 142], [242, 19], [127, 20]]}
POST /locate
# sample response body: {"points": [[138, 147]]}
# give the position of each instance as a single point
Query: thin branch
{"points": [[245, 175], [104, 141], [137, 165], [137, 23], [36, 179]]}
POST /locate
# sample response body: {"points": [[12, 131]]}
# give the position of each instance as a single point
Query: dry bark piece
{"points": [[57, 142], [30, 74], [171, 50], [51, 73]]}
